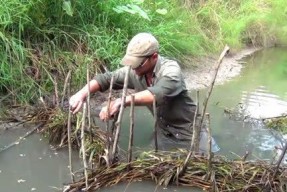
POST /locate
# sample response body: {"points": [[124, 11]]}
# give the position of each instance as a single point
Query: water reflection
{"points": [[32, 165]]}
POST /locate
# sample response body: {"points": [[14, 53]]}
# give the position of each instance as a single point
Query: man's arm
{"points": [[141, 98]]}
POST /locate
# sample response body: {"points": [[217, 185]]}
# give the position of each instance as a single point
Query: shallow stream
{"points": [[259, 92]]}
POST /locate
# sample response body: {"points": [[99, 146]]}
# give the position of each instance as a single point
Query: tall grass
{"points": [[41, 40]]}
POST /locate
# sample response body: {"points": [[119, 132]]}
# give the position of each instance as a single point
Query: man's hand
{"points": [[114, 108], [76, 102]]}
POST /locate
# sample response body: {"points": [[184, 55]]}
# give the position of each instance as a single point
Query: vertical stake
{"points": [[70, 146], [83, 144], [118, 123], [155, 124], [131, 129]]}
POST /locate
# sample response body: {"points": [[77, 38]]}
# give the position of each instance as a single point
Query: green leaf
{"points": [[161, 11], [131, 9], [67, 7]]}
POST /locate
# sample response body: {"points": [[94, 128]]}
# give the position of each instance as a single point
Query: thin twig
{"points": [[194, 147], [21, 138], [66, 84], [118, 123], [155, 124], [194, 137], [70, 145], [131, 129], [108, 132], [83, 145], [89, 104], [209, 167], [280, 160]]}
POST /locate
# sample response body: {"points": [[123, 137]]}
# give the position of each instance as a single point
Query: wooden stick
{"points": [[109, 102], [155, 124], [56, 91], [131, 129], [118, 123], [109, 134], [196, 130], [280, 159], [224, 52], [209, 167], [22, 137], [194, 137], [70, 146], [89, 104], [66, 84], [83, 144]]}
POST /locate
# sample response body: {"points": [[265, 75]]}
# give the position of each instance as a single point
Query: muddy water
{"points": [[259, 92]]}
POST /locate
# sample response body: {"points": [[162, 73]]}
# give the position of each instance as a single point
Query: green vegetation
{"points": [[42, 40], [278, 124]]}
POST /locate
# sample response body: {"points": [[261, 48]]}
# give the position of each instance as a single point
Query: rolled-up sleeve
{"points": [[104, 80], [168, 85]]}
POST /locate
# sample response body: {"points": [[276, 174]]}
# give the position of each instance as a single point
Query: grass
{"points": [[41, 37]]}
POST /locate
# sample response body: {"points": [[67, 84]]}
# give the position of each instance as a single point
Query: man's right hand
{"points": [[76, 102]]}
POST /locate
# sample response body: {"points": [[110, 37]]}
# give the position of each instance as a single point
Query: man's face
{"points": [[146, 66]]}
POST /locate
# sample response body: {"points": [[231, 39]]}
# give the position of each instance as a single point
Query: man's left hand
{"points": [[114, 108]]}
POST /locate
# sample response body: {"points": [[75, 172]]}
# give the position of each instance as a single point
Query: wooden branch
{"points": [[83, 144], [196, 130], [131, 128], [155, 124], [118, 123], [224, 52], [70, 146], [66, 84]]}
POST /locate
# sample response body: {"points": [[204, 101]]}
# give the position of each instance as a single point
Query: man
{"points": [[153, 77]]}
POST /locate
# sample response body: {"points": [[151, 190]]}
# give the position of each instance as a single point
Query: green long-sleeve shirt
{"points": [[175, 108]]}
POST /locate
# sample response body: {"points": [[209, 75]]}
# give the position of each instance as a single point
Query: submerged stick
{"points": [[131, 129], [83, 145], [70, 146], [219, 61], [118, 123], [155, 124], [21, 138], [108, 132]]}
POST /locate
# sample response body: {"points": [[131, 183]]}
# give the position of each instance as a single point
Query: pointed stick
{"points": [[155, 124], [118, 123], [66, 84], [89, 103], [131, 129], [194, 137], [83, 144], [194, 147], [109, 134], [219, 61], [70, 146], [226, 49], [280, 159], [209, 145]]}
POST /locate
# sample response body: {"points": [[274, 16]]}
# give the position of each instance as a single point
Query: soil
{"points": [[201, 76]]}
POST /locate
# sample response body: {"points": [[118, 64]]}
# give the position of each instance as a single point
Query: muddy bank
{"points": [[200, 77]]}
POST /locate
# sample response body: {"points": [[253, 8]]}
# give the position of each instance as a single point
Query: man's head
{"points": [[141, 48]]}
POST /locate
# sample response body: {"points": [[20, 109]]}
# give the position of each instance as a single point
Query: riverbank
{"points": [[201, 76]]}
